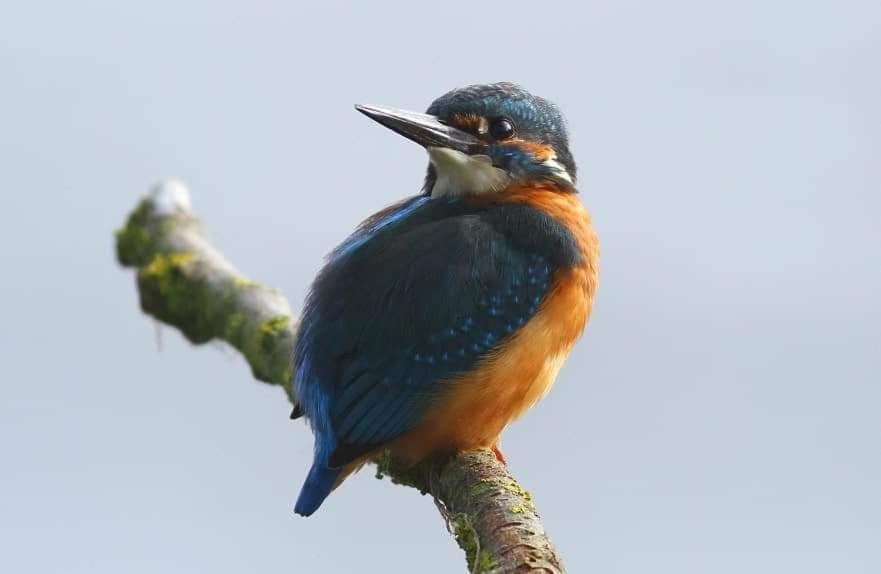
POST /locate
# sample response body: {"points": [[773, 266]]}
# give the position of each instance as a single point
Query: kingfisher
{"points": [[444, 317]]}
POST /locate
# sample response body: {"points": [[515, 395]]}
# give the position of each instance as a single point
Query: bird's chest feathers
{"points": [[482, 402], [458, 174]]}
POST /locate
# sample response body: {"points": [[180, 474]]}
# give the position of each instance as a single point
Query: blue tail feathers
{"points": [[317, 487]]}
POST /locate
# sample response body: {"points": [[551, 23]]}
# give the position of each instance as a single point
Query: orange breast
{"points": [[505, 384]]}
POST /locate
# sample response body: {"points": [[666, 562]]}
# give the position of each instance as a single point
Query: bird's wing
{"points": [[395, 315]]}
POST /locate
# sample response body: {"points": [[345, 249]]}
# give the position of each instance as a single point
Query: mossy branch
{"points": [[185, 282]]}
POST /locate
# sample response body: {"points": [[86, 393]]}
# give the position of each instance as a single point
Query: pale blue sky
{"points": [[721, 414]]}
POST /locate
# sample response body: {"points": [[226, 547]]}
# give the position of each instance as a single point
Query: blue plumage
{"points": [[318, 485], [427, 289], [420, 293]]}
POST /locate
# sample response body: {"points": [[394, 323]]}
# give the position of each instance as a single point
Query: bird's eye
{"points": [[501, 128]]}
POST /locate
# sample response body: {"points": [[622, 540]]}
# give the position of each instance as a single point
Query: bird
{"points": [[444, 317]]}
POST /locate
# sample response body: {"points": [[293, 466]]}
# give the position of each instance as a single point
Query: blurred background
{"points": [[720, 415]]}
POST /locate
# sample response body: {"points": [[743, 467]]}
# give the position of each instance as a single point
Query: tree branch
{"points": [[185, 282]]}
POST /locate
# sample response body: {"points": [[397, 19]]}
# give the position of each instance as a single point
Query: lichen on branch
{"points": [[185, 282]]}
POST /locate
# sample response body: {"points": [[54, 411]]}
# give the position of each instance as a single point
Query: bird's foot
{"points": [[499, 455]]}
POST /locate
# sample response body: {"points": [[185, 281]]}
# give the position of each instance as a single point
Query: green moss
{"points": [[288, 387], [243, 283], [479, 560], [169, 294], [382, 462], [287, 376], [518, 509], [520, 491], [134, 242], [232, 331], [482, 488], [268, 349], [399, 472], [271, 330], [167, 271]]}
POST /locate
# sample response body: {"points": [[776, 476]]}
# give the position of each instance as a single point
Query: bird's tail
{"points": [[320, 482]]}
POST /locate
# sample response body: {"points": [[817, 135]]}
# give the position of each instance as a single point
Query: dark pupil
{"points": [[501, 129]]}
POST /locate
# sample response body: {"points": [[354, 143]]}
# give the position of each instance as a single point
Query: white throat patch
{"points": [[459, 173]]}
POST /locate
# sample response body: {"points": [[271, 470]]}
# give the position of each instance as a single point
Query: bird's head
{"points": [[483, 138]]}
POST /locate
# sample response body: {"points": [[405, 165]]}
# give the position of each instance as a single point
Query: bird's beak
{"points": [[424, 129]]}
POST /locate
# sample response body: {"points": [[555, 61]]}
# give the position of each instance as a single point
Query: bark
{"points": [[185, 282]]}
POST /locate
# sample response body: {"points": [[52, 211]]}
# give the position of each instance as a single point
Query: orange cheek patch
{"points": [[539, 151]]}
